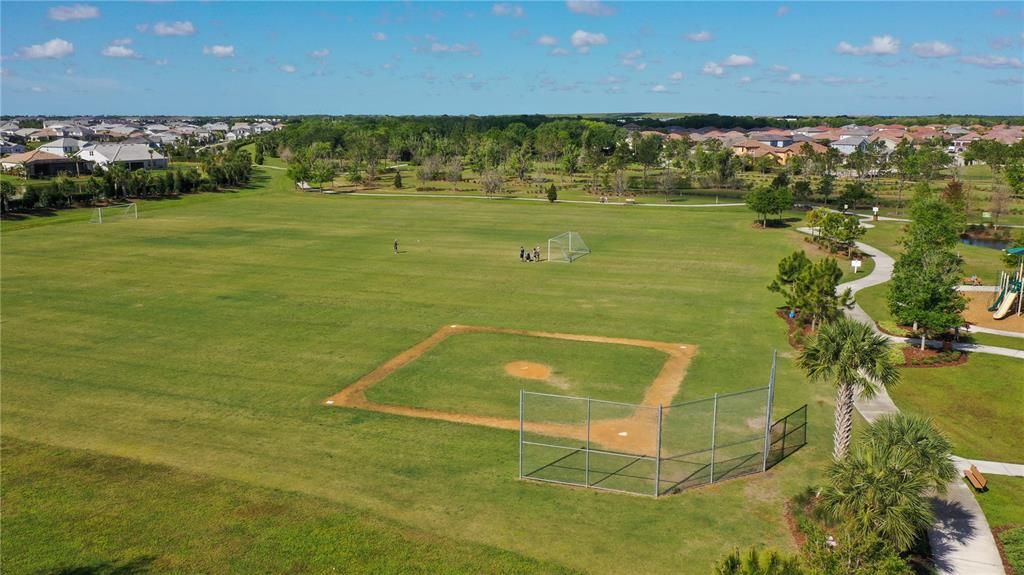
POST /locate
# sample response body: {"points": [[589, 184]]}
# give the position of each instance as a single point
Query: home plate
{"points": [[623, 433]]}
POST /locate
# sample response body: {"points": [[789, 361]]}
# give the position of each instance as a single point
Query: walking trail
{"points": [[961, 539]]}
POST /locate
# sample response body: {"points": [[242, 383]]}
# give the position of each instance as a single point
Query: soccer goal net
{"points": [[115, 212], [566, 247]]}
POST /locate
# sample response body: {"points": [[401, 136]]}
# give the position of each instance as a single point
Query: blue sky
{"points": [[777, 58]]}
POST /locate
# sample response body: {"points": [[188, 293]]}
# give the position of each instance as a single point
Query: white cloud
{"points": [[503, 9], [320, 54], [676, 76], [56, 48], [75, 12], [119, 51], [583, 41], [142, 28], [180, 28], [702, 36], [559, 52], [614, 79], [633, 60], [713, 69], [219, 51], [161, 62], [288, 68], [38, 89], [379, 36], [880, 45], [993, 61], [782, 11], [795, 78], [121, 42], [659, 89], [1008, 81], [457, 48], [737, 60], [779, 68], [589, 7], [933, 49], [745, 80], [841, 81], [546, 40]]}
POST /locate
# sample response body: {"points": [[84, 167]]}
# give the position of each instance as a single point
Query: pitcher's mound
{"points": [[528, 370]]}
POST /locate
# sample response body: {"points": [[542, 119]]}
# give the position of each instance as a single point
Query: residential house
{"points": [[38, 164], [773, 139], [45, 134], [262, 127], [65, 147], [24, 133], [960, 144], [9, 147], [131, 156], [217, 127], [850, 144]]}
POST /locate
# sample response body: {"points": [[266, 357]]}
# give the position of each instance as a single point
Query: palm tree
{"points": [[929, 450], [878, 490], [854, 359], [758, 562]]}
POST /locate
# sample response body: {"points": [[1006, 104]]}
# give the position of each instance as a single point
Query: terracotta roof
{"points": [[33, 156]]}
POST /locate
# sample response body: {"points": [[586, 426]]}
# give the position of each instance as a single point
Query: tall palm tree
{"points": [[850, 356], [878, 490], [928, 449]]}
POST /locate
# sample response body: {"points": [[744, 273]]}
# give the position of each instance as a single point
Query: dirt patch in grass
{"points": [[636, 433], [528, 370]]}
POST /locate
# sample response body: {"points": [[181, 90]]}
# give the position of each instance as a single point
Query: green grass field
{"points": [[466, 373], [978, 405], [202, 338]]}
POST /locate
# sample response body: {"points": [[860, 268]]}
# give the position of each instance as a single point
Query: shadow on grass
{"points": [[137, 566]]}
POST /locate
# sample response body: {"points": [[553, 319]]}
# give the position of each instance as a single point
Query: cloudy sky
{"points": [[209, 58]]}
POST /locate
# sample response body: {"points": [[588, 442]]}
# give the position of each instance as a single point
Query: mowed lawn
{"points": [[204, 336]]}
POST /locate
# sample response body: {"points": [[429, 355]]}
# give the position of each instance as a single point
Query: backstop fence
{"points": [[653, 450]]}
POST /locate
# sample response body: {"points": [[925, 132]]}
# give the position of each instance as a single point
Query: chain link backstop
{"points": [[652, 450]]}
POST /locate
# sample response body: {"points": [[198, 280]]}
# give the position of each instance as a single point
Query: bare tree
{"points": [[1001, 197], [492, 182]]}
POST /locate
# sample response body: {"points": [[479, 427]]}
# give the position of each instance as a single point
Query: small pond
{"points": [[985, 243]]}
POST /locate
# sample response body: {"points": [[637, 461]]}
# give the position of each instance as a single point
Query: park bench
{"points": [[976, 478]]}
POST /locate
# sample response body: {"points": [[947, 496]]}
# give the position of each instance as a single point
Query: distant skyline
{"points": [[286, 58]]}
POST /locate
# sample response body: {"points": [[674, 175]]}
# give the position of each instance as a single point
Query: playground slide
{"points": [[999, 301], [1007, 307]]}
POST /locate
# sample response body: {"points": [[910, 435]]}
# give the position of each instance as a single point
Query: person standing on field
{"points": [[396, 247], [522, 254], [536, 253]]}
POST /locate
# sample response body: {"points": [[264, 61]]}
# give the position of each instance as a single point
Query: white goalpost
{"points": [[115, 212], [566, 247]]}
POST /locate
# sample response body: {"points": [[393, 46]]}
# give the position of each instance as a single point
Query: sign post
{"points": [[875, 211]]}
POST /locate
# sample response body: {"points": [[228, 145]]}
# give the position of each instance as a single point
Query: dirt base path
{"points": [[634, 434]]}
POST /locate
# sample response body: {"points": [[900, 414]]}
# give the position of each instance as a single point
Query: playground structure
{"points": [[1009, 300]]}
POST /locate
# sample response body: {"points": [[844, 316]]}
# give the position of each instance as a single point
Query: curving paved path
{"points": [[961, 539]]}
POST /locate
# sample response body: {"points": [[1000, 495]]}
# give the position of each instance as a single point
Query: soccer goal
{"points": [[566, 247], [115, 212]]}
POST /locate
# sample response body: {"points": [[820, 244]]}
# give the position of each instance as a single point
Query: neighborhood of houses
{"points": [[83, 145], [781, 145]]}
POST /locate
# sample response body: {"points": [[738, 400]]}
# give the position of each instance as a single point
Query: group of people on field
{"points": [[527, 256]]}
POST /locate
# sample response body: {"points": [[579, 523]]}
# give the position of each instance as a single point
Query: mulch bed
{"points": [[917, 357], [794, 528], [1002, 552], [796, 329]]}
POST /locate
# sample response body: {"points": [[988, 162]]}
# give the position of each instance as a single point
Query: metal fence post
{"points": [[768, 414], [714, 424], [521, 408], [657, 455], [586, 454]]}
